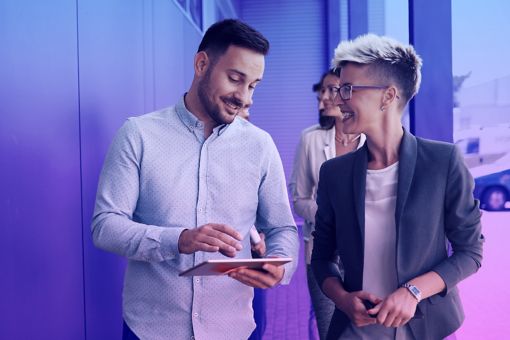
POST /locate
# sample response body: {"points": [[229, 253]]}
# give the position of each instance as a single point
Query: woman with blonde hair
{"points": [[388, 208]]}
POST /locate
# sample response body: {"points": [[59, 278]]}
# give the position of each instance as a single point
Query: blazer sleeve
{"points": [[301, 185], [325, 233], [462, 225]]}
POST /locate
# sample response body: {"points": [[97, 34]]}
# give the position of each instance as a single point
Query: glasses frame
{"points": [[335, 91], [331, 92]]}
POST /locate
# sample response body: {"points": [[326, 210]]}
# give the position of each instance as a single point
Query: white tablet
{"points": [[223, 266]]}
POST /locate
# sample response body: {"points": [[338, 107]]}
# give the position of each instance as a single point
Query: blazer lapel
{"points": [[407, 162], [359, 186]]}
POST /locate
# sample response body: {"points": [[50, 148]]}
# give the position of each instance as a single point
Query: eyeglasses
{"points": [[345, 91], [330, 91]]}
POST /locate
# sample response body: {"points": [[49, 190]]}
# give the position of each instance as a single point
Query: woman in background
{"points": [[318, 144]]}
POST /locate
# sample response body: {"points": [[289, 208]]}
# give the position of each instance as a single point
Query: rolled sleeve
{"points": [[462, 225]]}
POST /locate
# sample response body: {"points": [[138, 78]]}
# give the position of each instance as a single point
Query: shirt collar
{"points": [[187, 118], [222, 128], [191, 121]]}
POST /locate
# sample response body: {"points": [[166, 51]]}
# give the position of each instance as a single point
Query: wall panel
{"points": [[112, 63], [431, 111], [284, 103], [40, 215], [175, 43], [134, 58]]}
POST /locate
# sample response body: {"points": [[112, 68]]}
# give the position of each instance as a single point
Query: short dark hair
{"points": [[222, 34]]}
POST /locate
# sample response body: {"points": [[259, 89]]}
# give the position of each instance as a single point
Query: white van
{"points": [[483, 145]]}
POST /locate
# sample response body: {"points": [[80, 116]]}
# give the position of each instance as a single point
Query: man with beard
{"points": [[185, 184]]}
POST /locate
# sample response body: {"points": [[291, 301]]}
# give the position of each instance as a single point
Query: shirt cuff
{"points": [[169, 242], [289, 268], [287, 275]]}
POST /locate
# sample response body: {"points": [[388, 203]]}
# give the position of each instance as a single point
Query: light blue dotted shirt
{"points": [[161, 176]]}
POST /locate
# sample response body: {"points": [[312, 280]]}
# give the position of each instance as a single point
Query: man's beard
{"points": [[212, 109], [208, 105], [203, 95]]}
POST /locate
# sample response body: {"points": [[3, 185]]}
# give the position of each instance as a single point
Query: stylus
{"points": [[254, 235]]}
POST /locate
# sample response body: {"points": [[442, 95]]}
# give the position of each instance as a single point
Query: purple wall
{"points": [[70, 73], [69, 77], [40, 207], [133, 58], [431, 111], [111, 64], [284, 103]]}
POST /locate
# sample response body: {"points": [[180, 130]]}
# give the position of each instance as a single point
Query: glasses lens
{"points": [[345, 92], [332, 92]]}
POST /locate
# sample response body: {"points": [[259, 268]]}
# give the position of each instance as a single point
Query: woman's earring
{"points": [[382, 108]]}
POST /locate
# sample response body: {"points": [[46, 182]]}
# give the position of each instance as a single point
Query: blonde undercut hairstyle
{"points": [[388, 59]]}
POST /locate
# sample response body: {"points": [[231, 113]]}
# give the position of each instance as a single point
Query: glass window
{"points": [[390, 18], [183, 4], [481, 81], [481, 127], [195, 8]]}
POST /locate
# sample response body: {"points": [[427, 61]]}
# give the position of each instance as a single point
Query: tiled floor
{"points": [[288, 307]]}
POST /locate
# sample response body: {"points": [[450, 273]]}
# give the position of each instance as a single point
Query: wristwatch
{"points": [[413, 290]]}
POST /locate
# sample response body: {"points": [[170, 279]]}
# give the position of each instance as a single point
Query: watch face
{"points": [[415, 290]]}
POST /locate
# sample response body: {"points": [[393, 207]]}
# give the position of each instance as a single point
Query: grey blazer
{"points": [[434, 203]]}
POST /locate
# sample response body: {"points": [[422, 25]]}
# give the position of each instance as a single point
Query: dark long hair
{"points": [[326, 122]]}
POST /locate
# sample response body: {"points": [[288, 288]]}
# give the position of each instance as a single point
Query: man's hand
{"points": [[396, 309], [210, 237], [260, 248], [352, 305], [269, 277]]}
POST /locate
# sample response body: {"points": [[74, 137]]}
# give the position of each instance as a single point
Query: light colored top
{"points": [[379, 266], [316, 146], [161, 176], [434, 200]]}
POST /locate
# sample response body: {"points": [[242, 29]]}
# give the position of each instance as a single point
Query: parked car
{"points": [[492, 184]]}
